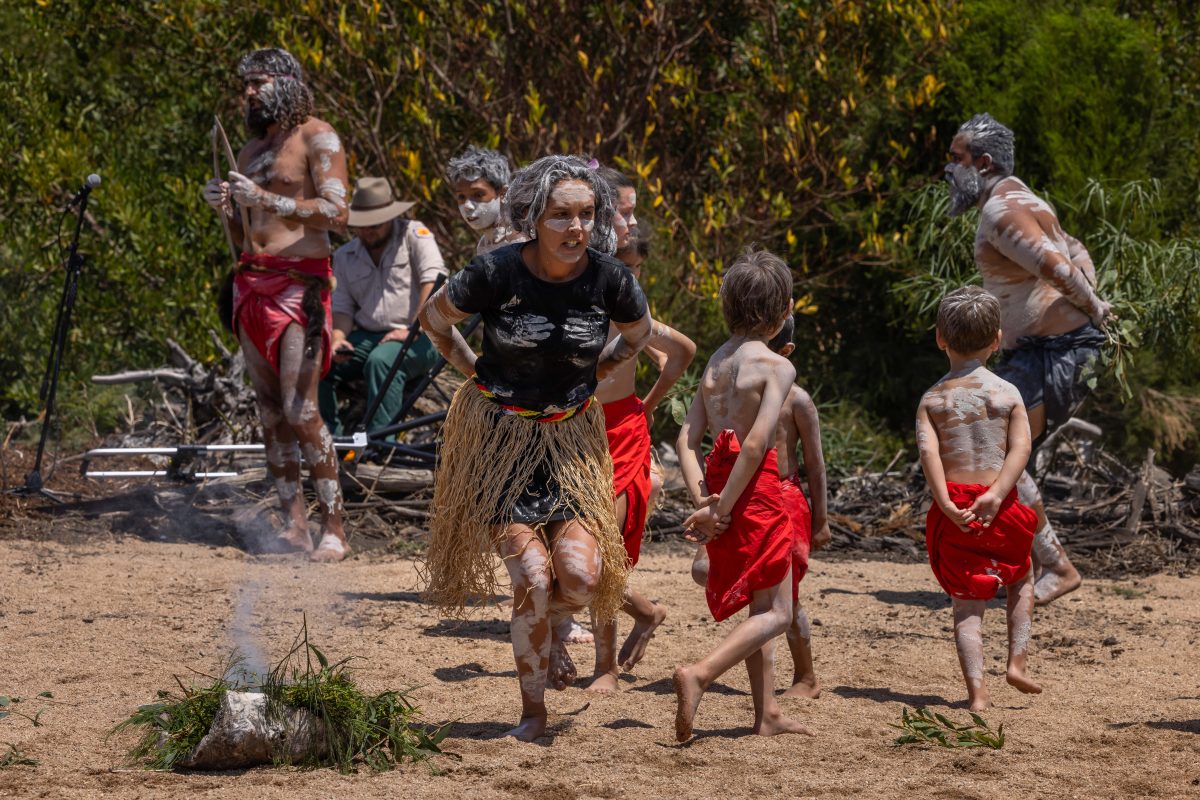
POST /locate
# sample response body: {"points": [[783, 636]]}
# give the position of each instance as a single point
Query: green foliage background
{"points": [[811, 127]]}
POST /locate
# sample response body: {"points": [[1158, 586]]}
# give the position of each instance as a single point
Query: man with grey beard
{"points": [[1050, 314], [291, 181]]}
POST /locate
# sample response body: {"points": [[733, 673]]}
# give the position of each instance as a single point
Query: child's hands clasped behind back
{"points": [[986, 506], [705, 524]]}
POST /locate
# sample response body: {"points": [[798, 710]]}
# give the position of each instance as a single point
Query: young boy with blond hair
{"points": [[741, 515], [799, 424], [973, 439]]}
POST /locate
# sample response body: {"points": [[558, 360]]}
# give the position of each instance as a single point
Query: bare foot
{"points": [[634, 649], [688, 692], [804, 687], [1053, 584], [981, 703], [1021, 681], [604, 683], [530, 728], [571, 632], [562, 669], [775, 724], [294, 537], [330, 550]]}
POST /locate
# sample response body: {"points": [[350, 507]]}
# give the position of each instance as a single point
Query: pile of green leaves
{"points": [[172, 727], [380, 731], [923, 727]]}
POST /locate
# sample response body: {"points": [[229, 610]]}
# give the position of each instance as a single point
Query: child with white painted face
{"points": [[973, 439], [479, 178], [799, 424], [741, 514]]}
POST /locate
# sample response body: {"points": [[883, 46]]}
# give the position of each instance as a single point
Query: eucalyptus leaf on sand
{"points": [[923, 727]]}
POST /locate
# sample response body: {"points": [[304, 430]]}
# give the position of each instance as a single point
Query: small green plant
{"points": [[923, 727], [15, 758], [1127, 592]]}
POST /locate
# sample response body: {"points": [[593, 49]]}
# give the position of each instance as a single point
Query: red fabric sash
{"points": [[268, 299], [755, 551], [974, 564], [629, 444], [801, 516]]}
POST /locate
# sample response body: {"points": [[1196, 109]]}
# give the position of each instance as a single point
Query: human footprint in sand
{"points": [[973, 438], [741, 392]]}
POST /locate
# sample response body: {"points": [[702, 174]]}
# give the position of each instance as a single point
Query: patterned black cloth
{"points": [[542, 339], [1053, 370]]}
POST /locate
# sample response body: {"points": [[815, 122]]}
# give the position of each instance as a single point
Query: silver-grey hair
{"points": [[985, 135], [479, 162], [530, 189]]}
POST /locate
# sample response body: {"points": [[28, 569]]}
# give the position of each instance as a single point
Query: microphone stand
{"points": [[62, 326]]}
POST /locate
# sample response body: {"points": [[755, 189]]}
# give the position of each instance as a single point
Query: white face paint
{"points": [[481, 216]]}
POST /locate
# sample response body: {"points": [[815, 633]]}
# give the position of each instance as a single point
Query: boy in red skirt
{"points": [[741, 513], [799, 424], [973, 438]]}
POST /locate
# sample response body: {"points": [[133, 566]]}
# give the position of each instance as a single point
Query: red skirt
{"points": [[975, 564], [755, 551], [801, 516], [629, 444], [265, 303]]}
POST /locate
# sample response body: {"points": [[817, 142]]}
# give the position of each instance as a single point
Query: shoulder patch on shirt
{"points": [[424, 232]]}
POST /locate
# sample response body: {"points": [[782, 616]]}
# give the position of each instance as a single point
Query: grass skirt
{"points": [[487, 459]]}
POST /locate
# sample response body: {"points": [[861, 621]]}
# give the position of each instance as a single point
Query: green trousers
{"points": [[371, 361]]}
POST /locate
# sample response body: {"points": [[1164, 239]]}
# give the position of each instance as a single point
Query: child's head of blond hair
{"points": [[968, 320], [756, 294]]}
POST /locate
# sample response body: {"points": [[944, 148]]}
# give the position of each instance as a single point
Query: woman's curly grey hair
{"points": [[291, 101], [479, 162], [530, 189]]}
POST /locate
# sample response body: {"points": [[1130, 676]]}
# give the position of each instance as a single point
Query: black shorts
{"points": [[541, 502], [1053, 371]]}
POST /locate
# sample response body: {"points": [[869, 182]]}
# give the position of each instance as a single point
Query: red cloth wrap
{"points": [[265, 303], [974, 564], [629, 444], [755, 551], [801, 516]]}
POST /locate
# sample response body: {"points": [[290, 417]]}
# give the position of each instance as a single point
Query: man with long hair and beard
{"points": [[1050, 315], [291, 179]]}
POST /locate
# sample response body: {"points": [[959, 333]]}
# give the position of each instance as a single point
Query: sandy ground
{"points": [[104, 622]]}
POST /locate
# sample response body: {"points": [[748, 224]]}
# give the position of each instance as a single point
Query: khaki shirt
{"points": [[388, 296]]}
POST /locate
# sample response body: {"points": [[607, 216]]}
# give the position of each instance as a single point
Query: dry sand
{"points": [[104, 622]]}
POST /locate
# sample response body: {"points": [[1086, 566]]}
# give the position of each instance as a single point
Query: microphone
{"points": [[89, 183]]}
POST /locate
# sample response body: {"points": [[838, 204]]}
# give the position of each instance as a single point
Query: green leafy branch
{"points": [[923, 727]]}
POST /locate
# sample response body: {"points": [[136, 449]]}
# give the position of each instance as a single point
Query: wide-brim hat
{"points": [[373, 204]]}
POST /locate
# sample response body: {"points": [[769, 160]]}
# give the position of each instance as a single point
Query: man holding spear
{"points": [[290, 184]]}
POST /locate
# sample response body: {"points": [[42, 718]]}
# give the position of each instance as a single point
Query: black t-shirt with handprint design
{"points": [[542, 339]]}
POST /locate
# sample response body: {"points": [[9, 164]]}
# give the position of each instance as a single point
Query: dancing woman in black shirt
{"points": [[525, 470]]}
